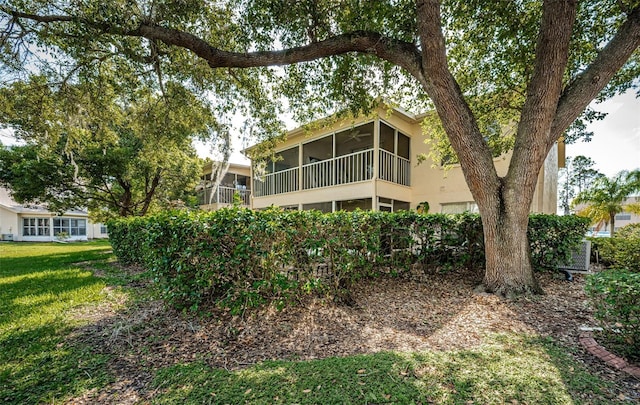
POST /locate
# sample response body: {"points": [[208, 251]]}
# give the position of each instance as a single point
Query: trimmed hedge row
{"points": [[241, 258]]}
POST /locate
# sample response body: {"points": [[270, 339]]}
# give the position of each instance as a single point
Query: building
{"points": [[627, 218], [37, 224], [371, 163], [234, 186], [622, 219]]}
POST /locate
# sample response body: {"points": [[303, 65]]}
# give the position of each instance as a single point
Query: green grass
{"points": [[42, 285], [39, 284], [509, 369]]}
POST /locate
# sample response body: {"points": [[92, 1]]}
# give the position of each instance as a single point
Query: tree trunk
{"points": [[508, 260], [612, 223]]}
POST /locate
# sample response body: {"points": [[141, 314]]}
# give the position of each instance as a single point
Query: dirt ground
{"points": [[389, 314]]}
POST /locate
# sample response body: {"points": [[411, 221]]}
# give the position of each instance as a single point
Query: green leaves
{"points": [[238, 258], [89, 146], [615, 296]]}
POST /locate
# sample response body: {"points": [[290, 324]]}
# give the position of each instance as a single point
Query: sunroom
{"points": [[346, 164]]}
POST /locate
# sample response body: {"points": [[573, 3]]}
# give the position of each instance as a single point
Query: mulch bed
{"points": [[389, 314]]}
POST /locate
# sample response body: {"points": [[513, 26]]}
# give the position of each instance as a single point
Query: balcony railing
{"points": [[280, 182], [345, 169], [394, 168], [224, 195], [350, 168]]}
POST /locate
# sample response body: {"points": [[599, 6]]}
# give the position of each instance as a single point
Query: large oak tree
{"points": [[537, 63]]}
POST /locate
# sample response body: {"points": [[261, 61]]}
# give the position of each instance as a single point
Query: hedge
{"points": [[240, 258], [621, 251]]}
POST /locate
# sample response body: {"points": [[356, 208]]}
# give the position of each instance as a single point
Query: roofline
{"points": [[231, 164], [24, 210], [406, 115]]}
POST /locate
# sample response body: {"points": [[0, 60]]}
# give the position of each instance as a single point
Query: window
{"points": [[394, 163], [323, 206], [70, 226], [352, 205], [623, 217], [103, 229], [459, 208], [35, 226]]}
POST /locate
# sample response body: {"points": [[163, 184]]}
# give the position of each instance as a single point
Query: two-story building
{"points": [[371, 163], [223, 186]]}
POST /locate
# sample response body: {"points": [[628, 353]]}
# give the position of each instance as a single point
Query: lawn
{"points": [[53, 352]]}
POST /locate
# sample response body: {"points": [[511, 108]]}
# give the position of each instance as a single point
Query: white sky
{"points": [[615, 145]]}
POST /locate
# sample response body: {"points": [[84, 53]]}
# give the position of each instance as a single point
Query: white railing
{"points": [[345, 169], [224, 195], [351, 168], [280, 182], [318, 174], [354, 167], [394, 168], [403, 173]]}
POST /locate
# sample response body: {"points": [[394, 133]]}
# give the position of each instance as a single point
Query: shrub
{"points": [[239, 258], [553, 238], [615, 297], [621, 251], [629, 231]]}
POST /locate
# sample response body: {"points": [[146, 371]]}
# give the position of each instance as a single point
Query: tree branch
{"points": [[586, 86], [454, 112], [401, 53], [150, 193], [543, 93]]}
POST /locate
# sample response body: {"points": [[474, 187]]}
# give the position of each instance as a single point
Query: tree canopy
{"points": [[535, 65], [117, 155]]}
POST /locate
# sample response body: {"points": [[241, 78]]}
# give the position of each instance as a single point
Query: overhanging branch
{"points": [[401, 53]]}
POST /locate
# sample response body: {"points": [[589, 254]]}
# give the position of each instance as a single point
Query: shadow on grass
{"points": [[15, 266], [36, 293], [37, 367], [513, 370]]}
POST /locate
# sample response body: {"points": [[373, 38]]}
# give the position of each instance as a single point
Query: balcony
{"points": [[346, 169], [223, 195]]}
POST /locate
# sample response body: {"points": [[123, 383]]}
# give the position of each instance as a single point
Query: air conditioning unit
{"points": [[7, 236], [580, 258]]}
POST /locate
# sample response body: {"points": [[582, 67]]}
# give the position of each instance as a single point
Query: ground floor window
{"points": [[459, 208], [352, 205], [70, 226], [35, 226], [103, 229], [323, 206], [389, 205]]}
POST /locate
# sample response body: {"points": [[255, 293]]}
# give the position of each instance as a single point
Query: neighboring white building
{"points": [[625, 217], [37, 224]]}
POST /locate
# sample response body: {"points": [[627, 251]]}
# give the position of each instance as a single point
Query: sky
{"points": [[615, 145]]}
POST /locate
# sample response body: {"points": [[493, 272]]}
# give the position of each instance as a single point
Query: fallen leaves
{"points": [[441, 313]]}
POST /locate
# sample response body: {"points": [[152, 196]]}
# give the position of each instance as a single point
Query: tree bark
{"points": [[507, 250]]}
